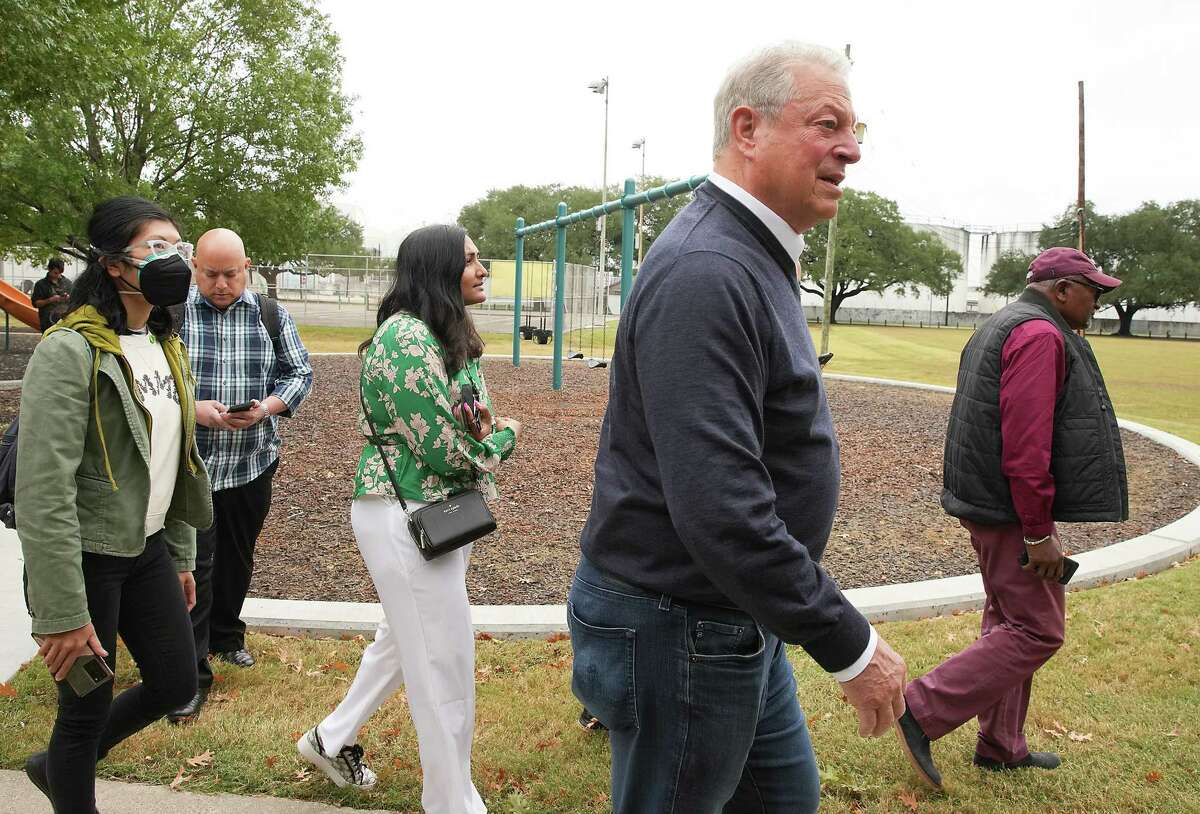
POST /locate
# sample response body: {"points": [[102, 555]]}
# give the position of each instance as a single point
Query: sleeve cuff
{"points": [[185, 565], [843, 643], [860, 664], [47, 626], [1038, 530]]}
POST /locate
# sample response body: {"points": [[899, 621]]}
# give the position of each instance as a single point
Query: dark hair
{"points": [[113, 225], [56, 263], [428, 285]]}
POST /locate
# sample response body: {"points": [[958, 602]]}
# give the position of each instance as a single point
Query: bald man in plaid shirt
{"points": [[237, 359]]}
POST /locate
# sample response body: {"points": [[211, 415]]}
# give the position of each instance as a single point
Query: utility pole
{"points": [[1079, 204], [830, 244], [601, 86]]}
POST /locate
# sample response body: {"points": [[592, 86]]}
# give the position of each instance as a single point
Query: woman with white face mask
{"points": [[110, 493]]}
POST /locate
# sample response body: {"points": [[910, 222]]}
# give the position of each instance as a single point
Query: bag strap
{"points": [[378, 442]]}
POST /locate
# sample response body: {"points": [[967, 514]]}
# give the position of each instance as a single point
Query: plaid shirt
{"points": [[234, 361]]}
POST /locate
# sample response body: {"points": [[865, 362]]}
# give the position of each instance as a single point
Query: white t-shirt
{"points": [[156, 388]]}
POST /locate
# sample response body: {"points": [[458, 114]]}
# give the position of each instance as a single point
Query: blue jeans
{"points": [[699, 701]]}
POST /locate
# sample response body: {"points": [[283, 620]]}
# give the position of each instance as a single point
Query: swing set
{"points": [[587, 290]]}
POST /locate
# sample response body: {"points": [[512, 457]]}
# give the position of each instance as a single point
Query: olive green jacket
{"points": [[83, 466]]}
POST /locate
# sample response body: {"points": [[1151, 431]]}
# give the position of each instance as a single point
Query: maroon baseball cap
{"points": [[1063, 262]]}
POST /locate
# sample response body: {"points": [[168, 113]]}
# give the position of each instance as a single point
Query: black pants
{"points": [[139, 598], [224, 566]]}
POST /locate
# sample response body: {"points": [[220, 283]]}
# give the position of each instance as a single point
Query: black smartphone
{"points": [[240, 408], [470, 408], [1070, 566], [87, 673]]}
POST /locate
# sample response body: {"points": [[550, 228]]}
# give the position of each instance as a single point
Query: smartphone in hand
{"points": [[1070, 566], [87, 673], [240, 408], [470, 408]]}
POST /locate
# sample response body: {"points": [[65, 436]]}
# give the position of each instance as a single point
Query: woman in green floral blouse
{"points": [[424, 350]]}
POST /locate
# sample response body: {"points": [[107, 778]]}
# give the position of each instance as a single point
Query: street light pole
{"points": [[640, 145], [601, 86]]}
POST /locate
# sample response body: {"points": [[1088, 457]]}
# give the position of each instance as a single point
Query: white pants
{"points": [[426, 644]]}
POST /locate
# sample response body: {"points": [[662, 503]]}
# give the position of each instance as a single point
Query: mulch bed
{"points": [[889, 528]]}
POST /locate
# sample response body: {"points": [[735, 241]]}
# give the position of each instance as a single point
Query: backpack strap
{"points": [[268, 314]]}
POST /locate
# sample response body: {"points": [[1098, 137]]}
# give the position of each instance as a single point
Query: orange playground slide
{"points": [[20, 306]]}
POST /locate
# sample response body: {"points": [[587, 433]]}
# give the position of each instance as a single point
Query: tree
{"points": [[492, 219], [1155, 250], [876, 251], [228, 113], [1007, 276]]}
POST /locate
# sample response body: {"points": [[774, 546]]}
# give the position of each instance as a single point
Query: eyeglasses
{"points": [[158, 246], [1092, 286]]}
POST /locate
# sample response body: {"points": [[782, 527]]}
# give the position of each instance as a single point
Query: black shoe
{"points": [[35, 770], [239, 658], [590, 722], [916, 745], [191, 709], [1033, 760]]}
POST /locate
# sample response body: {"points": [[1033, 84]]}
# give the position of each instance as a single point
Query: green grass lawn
{"points": [[1152, 381], [1120, 703]]}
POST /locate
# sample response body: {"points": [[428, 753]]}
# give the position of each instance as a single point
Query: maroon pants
{"points": [[1023, 626]]}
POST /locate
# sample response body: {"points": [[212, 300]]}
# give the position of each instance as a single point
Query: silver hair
{"points": [[765, 81]]}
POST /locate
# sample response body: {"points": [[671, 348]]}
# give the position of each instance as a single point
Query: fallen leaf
{"points": [[205, 758], [272, 760], [303, 775], [483, 637], [558, 637], [1079, 738], [7, 691], [295, 736], [1154, 777], [392, 733], [180, 779], [340, 666], [909, 800]]}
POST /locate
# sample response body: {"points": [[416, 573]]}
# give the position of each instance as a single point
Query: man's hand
{"points": [[878, 691], [212, 414], [510, 424], [188, 583], [59, 650], [247, 418], [1046, 559]]}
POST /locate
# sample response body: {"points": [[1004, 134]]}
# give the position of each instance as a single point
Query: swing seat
{"points": [[576, 355], [527, 331], [542, 337]]}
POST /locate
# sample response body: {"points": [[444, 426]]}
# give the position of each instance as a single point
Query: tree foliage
{"points": [[491, 220], [876, 251], [1007, 275], [227, 112], [1154, 250]]}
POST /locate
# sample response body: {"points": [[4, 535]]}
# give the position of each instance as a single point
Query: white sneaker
{"points": [[346, 769]]}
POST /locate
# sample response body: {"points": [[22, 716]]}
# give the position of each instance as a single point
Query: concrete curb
{"points": [[1147, 554]]}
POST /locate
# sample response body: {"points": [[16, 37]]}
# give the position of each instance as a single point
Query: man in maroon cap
{"points": [[1032, 439]]}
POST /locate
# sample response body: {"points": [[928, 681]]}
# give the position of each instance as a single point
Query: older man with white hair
{"points": [[717, 478]]}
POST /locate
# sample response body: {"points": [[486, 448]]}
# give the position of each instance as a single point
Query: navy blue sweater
{"points": [[717, 476]]}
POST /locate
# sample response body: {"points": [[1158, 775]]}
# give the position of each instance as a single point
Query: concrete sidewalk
{"points": [[19, 796]]}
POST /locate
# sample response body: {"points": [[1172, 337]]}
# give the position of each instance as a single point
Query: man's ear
{"points": [[744, 123]]}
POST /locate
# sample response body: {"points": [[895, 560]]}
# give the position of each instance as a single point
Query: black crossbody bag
{"points": [[441, 527]]}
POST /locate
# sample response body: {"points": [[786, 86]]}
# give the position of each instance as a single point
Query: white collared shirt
{"points": [[792, 242]]}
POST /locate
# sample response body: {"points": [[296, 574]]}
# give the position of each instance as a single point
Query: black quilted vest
{"points": [[1087, 461]]}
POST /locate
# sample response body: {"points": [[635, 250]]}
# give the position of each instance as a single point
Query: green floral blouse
{"points": [[410, 398]]}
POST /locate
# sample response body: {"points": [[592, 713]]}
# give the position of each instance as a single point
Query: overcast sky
{"points": [[970, 107]]}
